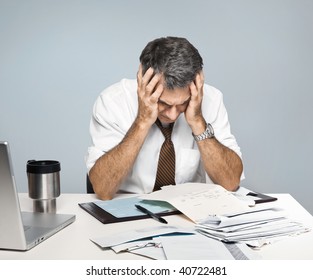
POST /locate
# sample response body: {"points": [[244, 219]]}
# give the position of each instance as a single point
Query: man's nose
{"points": [[172, 113]]}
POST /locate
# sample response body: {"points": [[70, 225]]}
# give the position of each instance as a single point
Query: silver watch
{"points": [[208, 133]]}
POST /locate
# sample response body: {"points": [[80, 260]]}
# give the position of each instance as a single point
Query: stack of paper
{"points": [[255, 227], [221, 215], [173, 243], [216, 213]]}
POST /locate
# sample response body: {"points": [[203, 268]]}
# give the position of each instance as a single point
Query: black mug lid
{"points": [[43, 166]]}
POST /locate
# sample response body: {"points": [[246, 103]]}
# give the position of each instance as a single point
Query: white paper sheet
{"points": [[199, 247], [137, 234], [197, 201]]}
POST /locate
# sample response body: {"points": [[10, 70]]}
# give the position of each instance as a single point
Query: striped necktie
{"points": [[166, 165]]}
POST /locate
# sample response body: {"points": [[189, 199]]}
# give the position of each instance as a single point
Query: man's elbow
{"points": [[104, 196], [101, 192], [98, 187], [232, 184]]}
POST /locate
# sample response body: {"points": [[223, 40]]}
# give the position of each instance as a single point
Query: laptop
{"points": [[22, 230]]}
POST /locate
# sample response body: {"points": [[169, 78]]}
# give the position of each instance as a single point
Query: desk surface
{"points": [[73, 242]]}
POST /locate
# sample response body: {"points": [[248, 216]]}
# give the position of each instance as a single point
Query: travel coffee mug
{"points": [[43, 184]]}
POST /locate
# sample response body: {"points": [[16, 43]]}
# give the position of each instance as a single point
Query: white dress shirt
{"points": [[113, 114]]}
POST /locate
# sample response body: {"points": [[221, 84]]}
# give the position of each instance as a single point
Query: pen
{"points": [[150, 214]]}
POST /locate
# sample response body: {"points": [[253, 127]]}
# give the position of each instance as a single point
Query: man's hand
{"points": [[193, 112], [149, 90]]}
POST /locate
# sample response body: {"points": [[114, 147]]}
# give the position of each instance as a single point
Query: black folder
{"points": [[107, 218], [261, 198]]}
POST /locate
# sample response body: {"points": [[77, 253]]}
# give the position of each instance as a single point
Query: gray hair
{"points": [[175, 58]]}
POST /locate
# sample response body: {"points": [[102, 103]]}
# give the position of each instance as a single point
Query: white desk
{"points": [[73, 242]]}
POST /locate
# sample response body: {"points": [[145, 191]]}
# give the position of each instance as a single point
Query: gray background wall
{"points": [[56, 57]]}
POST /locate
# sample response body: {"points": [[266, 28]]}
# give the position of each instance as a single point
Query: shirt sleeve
{"points": [[109, 123], [216, 114]]}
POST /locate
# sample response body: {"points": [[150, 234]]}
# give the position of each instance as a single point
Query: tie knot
{"points": [[167, 131]]}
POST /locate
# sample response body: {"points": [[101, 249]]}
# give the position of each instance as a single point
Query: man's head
{"points": [[175, 58]]}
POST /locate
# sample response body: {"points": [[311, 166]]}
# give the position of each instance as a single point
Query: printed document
{"points": [[199, 201]]}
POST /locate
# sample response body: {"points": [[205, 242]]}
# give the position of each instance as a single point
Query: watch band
{"points": [[208, 133]]}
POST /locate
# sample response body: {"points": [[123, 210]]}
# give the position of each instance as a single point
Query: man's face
{"points": [[172, 103]]}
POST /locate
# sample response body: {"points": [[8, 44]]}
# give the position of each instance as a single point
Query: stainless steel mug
{"points": [[43, 184]]}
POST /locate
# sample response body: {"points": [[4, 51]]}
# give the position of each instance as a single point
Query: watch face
{"points": [[210, 130], [208, 133]]}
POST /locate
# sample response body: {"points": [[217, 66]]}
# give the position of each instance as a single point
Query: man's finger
{"points": [[147, 77], [200, 80], [193, 90], [139, 74], [151, 86], [157, 93]]}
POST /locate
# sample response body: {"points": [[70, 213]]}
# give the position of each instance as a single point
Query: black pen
{"points": [[150, 214]]}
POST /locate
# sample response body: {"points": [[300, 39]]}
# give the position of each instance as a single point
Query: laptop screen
{"points": [[11, 226]]}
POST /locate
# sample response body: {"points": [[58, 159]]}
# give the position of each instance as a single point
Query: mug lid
{"points": [[43, 166]]}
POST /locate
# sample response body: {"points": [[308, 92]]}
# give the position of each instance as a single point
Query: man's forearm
{"points": [[110, 169], [222, 164]]}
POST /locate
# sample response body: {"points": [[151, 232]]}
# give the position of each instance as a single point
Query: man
{"points": [[169, 92]]}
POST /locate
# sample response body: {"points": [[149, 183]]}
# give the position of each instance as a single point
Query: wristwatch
{"points": [[208, 133]]}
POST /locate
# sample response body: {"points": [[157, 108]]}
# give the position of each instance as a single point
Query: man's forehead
{"points": [[175, 96]]}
